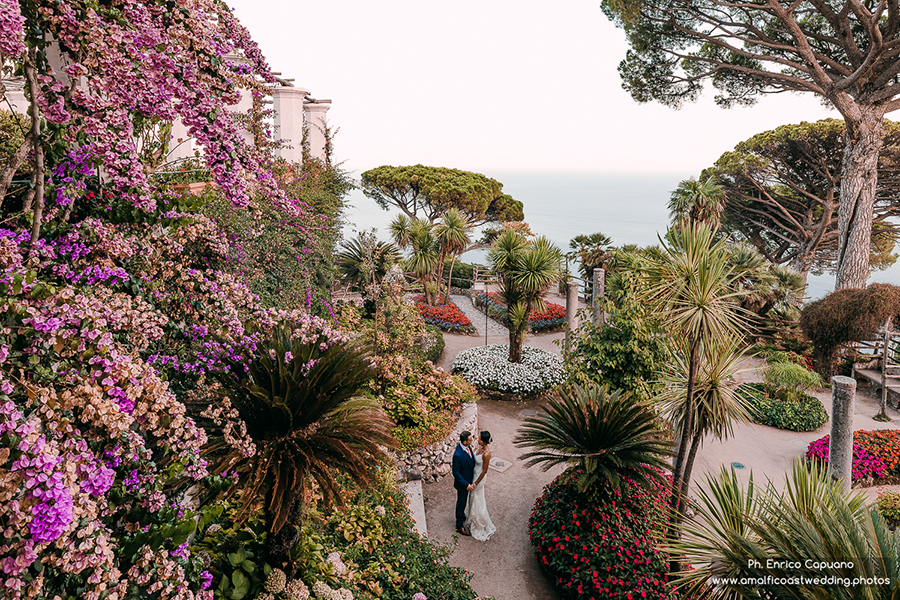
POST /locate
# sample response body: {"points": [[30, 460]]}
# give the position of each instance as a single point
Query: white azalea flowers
{"points": [[488, 367]]}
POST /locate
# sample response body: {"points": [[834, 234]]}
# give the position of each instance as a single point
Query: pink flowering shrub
{"points": [[131, 64], [865, 465]]}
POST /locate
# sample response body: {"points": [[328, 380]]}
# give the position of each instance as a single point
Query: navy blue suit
{"points": [[463, 475]]}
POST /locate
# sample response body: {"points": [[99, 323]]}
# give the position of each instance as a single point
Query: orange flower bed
{"points": [[883, 443]]}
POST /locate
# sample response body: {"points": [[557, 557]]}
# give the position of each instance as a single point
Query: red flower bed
{"points": [[608, 549], [552, 317], [446, 316]]}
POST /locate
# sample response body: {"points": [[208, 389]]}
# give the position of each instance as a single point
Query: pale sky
{"points": [[492, 85]]}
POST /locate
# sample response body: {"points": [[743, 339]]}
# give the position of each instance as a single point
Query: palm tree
{"points": [[696, 201], [691, 284], [423, 261], [452, 234], [608, 434], [352, 261], [716, 406], [525, 268], [740, 533], [296, 397], [400, 228]]}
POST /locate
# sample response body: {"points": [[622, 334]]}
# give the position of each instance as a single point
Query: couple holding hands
{"points": [[469, 471]]}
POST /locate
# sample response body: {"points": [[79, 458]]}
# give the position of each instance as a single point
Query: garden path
{"points": [[770, 452], [504, 566], [479, 319]]}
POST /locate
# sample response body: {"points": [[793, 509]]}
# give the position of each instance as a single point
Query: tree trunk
{"points": [[278, 545], [15, 161], [687, 430], [515, 346], [859, 179], [38, 215], [450, 276]]}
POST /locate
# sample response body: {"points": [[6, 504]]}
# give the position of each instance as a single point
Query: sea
{"points": [[630, 208]]}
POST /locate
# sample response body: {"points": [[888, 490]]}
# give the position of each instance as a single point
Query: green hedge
{"points": [[807, 414], [433, 345]]}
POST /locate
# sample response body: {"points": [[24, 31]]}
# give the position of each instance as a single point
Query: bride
{"points": [[478, 521]]}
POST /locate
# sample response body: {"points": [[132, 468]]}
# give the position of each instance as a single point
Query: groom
{"points": [[463, 474]]}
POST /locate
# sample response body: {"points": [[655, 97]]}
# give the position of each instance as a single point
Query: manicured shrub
{"points": [[433, 343], [418, 397], [805, 414], [889, 507], [447, 316], [848, 315], [607, 549], [488, 368], [865, 464]]}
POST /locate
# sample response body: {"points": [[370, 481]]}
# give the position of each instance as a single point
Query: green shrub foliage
{"points": [[626, 353], [848, 315], [805, 414], [606, 549], [889, 507], [790, 381], [433, 343]]}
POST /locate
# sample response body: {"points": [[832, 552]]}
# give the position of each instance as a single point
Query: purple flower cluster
{"points": [[11, 29], [96, 274], [864, 464], [70, 173]]}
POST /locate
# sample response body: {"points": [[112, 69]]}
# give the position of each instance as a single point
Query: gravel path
{"points": [[478, 318]]}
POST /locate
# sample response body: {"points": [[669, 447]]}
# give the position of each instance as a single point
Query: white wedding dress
{"points": [[477, 518]]}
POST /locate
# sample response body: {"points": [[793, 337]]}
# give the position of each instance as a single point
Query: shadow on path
{"points": [[504, 567]]}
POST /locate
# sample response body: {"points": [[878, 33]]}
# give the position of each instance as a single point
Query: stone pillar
{"points": [[571, 308], [288, 105], [314, 113], [840, 444], [599, 293]]}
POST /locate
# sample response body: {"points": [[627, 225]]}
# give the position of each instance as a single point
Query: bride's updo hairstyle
{"points": [[486, 437]]}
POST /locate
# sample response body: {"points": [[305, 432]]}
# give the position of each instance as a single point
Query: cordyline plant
{"points": [[525, 269], [295, 395]]}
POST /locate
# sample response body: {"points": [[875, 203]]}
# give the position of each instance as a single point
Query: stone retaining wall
{"points": [[432, 462]]}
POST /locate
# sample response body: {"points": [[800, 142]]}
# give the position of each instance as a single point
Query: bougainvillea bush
{"points": [[95, 448], [552, 317], [606, 549], [446, 316], [866, 464], [488, 368]]}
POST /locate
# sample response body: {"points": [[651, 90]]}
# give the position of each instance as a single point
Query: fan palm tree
{"points": [[697, 201], [452, 234], [715, 405], [740, 533], [525, 269], [296, 397], [691, 283], [607, 434]]}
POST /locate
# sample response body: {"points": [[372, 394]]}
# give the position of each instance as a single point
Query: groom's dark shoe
{"points": [[462, 531]]}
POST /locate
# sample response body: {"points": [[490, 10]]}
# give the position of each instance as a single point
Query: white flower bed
{"points": [[488, 367]]}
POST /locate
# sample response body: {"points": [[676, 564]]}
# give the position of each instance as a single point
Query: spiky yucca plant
{"points": [[745, 533], [297, 399], [608, 434]]}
